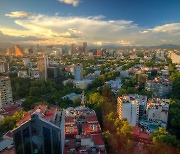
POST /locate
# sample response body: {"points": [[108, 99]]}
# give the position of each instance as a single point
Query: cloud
{"points": [[167, 28], [9, 38], [74, 30], [93, 29], [100, 43], [125, 43], [18, 14], [75, 3]]}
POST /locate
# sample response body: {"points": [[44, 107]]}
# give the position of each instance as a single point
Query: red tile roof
{"points": [[98, 141], [90, 128], [45, 113], [9, 110], [26, 117], [50, 114], [69, 120], [91, 118], [41, 107], [137, 132]]}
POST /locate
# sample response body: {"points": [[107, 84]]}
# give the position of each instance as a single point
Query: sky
{"points": [[98, 22]]}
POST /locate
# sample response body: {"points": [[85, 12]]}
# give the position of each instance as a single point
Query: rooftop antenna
{"points": [[82, 99]]}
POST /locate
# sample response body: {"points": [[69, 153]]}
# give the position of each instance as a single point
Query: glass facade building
{"points": [[37, 136]]}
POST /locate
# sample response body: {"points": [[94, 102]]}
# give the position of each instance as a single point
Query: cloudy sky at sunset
{"points": [[99, 22]]}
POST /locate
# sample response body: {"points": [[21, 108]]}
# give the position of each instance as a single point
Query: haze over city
{"points": [[99, 22]]}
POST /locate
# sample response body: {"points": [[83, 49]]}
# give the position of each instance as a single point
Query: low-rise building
{"points": [[23, 74], [82, 131], [83, 84], [157, 110], [115, 85], [161, 87]]}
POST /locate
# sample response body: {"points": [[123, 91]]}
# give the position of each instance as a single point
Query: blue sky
{"points": [[123, 22]]}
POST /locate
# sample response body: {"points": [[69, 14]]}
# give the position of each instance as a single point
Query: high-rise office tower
{"points": [[5, 91], [42, 66], [19, 51], [53, 72], [78, 72], [39, 132], [85, 47], [73, 48]]}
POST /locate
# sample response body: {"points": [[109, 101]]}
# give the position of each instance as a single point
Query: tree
{"points": [[9, 122], [174, 118], [18, 115], [162, 136], [176, 88], [122, 92], [77, 101], [164, 142]]}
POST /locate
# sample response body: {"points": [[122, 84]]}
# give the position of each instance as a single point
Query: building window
{"points": [[26, 140], [18, 142], [56, 141], [47, 140]]}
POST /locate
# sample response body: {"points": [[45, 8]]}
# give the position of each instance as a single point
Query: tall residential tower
{"points": [[5, 91]]}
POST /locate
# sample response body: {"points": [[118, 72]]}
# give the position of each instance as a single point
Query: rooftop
{"points": [[9, 110], [47, 114], [91, 128], [98, 141]]}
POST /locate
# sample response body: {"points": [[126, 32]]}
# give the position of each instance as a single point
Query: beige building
{"points": [[5, 91], [157, 110], [175, 57]]}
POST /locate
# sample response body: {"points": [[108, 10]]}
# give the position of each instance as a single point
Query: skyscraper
{"points": [[19, 51], [73, 48], [5, 91], [78, 72], [4, 67], [42, 66], [85, 47]]}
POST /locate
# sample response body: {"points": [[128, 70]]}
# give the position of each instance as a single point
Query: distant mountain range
{"points": [[166, 46], [163, 46]]}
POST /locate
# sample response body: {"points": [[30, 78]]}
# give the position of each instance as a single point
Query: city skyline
{"points": [[123, 23]]}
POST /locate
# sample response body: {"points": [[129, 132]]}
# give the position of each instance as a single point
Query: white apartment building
{"points": [[128, 109], [5, 91]]}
